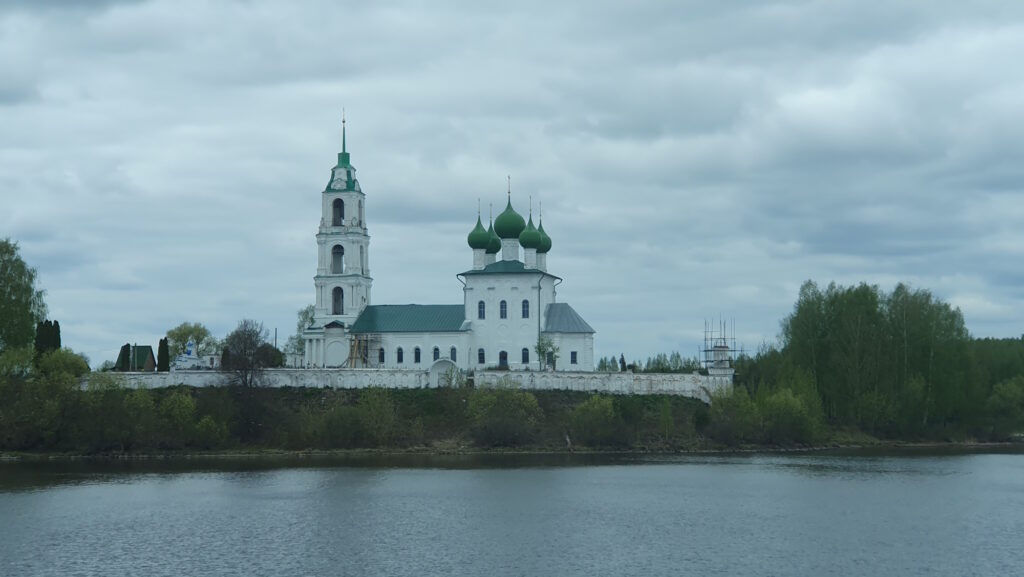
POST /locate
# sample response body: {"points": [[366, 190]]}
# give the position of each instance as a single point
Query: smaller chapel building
{"points": [[509, 299]]}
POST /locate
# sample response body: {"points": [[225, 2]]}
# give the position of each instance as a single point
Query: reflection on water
{"points": [[867, 513]]}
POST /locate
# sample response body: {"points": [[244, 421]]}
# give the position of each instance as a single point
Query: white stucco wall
{"points": [[691, 385], [513, 333]]}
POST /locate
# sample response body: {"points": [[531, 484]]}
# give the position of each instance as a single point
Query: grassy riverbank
{"points": [[109, 420]]}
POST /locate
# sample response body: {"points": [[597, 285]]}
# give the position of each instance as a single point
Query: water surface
{"points": [[495, 515]]}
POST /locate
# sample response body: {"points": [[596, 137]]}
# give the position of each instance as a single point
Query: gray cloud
{"points": [[162, 161]]}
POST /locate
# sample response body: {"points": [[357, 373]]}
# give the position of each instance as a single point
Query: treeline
{"points": [[46, 410], [897, 365], [659, 363]]}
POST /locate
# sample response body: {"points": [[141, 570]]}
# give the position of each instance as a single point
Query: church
{"points": [[509, 299]]}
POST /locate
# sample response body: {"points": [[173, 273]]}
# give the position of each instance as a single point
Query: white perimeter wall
{"points": [[690, 385]]}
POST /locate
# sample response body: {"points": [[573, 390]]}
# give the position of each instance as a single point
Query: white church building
{"points": [[509, 299]]}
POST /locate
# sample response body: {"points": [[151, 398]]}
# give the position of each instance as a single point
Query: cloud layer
{"points": [[162, 161]]}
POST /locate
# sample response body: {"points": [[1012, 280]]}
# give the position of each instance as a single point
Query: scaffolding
{"points": [[363, 352], [719, 351]]}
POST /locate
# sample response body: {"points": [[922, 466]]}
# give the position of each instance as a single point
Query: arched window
{"points": [[362, 259], [451, 354], [481, 310], [399, 356], [380, 355], [503, 310], [526, 309], [338, 301], [416, 355], [437, 353], [338, 217], [337, 259], [360, 213], [503, 359], [480, 357], [526, 354]]}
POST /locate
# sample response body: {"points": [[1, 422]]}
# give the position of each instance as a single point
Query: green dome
{"points": [[545, 240], [509, 224], [494, 244], [530, 237], [478, 237]]}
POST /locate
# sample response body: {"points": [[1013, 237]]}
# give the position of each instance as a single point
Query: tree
{"points": [[242, 355], [124, 356], [295, 344], [622, 363], [21, 304], [178, 337], [162, 361], [547, 352]]}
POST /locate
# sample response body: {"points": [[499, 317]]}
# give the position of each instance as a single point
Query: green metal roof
{"points": [[478, 238], [561, 318], [410, 319], [530, 237], [509, 223], [506, 267], [143, 353]]}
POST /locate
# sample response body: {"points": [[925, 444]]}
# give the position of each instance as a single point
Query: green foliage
{"points": [[179, 336], [671, 363], [178, 415], [867, 351], [21, 304], [47, 336], [1006, 407], [245, 355], [269, 357], [377, 415], [595, 423], [786, 419], [733, 418], [295, 344], [504, 416], [163, 356], [124, 358], [546, 351]]}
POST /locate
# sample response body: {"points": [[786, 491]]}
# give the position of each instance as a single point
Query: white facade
{"points": [[505, 308]]}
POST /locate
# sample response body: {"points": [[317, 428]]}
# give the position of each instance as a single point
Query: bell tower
{"points": [[343, 273]]}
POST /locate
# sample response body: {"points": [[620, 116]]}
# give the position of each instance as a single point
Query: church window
{"points": [[416, 355], [437, 353], [526, 309], [451, 354], [572, 358], [380, 355], [503, 312], [480, 357], [526, 355], [362, 260], [503, 359], [481, 310], [338, 216], [338, 301], [337, 259], [399, 356]]}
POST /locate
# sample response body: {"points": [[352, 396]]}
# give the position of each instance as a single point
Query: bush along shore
{"points": [[108, 419]]}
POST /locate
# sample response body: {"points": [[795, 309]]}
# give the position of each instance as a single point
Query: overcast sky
{"points": [[162, 161]]}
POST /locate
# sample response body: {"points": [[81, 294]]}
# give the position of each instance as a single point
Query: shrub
{"points": [[595, 423], [733, 418], [786, 419], [504, 416]]}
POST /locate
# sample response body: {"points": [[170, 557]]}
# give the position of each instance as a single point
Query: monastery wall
{"points": [[691, 385]]}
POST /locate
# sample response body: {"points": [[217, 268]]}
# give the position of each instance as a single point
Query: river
{"points": [[911, 513]]}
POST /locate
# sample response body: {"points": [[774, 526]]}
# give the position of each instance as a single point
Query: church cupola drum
{"points": [[343, 275]]}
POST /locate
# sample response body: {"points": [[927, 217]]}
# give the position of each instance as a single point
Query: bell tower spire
{"points": [[342, 279]]}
